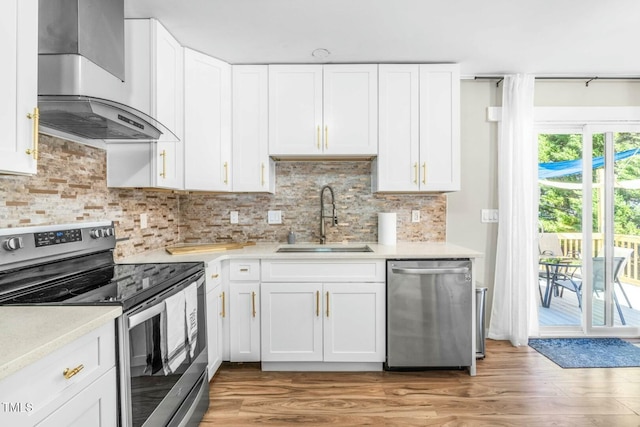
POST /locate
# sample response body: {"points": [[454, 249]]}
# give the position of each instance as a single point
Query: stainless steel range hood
{"points": [[81, 71]]}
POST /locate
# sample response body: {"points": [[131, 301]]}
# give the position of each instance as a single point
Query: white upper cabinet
{"points": [[419, 113], [19, 87], [154, 85], [207, 109], [328, 110], [252, 168]]}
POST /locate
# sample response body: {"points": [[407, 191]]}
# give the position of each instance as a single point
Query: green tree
{"points": [[561, 209]]}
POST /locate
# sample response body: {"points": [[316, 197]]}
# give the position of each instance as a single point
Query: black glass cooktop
{"points": [[92, 279]]}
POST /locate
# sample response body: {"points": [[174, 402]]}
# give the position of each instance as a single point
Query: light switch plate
{"points": [[489, 215], [274, 217], [233, 217], [143, 221]]}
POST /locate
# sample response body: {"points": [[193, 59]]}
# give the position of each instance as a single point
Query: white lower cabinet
{"points": [[73, 386], [215, 313], [330, 322], [326, 314], [244, 310], [245, 321]]}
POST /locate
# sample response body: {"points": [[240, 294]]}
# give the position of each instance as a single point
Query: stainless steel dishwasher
{"points": [[429, 314]]}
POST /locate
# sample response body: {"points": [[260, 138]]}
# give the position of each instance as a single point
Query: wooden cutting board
{"points": [[211, 247]]}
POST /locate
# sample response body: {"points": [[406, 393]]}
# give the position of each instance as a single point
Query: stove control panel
{"points": [[57, 237]]}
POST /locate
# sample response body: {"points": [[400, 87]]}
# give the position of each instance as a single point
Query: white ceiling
{"points": [[489, 37]]}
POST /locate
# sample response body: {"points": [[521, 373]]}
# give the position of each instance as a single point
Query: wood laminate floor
{"points": [[514, 387]]}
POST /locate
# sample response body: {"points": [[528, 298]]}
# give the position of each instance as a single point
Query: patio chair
{"points": [[575, 284], [549, 245]]}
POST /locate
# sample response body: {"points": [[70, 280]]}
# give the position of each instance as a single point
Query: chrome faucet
{"points": [[334, 215]]}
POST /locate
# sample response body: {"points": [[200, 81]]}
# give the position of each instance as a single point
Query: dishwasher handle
{"points": [[428, 270]]}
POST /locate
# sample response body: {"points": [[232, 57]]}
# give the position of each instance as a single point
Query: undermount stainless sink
{"points": [[324, 249]]}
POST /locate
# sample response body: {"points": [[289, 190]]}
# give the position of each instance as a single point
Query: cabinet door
{"points": [[19, 85], [168, 103], [207, 127], [96, 405], [214, 327], [295, 110], [439, 127], [253, 169], [155, 76], [354, 322], [397, 165], [350, 102], [291, 322], [245, 321]]}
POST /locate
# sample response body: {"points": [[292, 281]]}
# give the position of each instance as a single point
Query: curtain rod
{"points": [[586, 83]]}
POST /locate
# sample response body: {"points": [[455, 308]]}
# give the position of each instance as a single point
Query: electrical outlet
{"points": [[143, 221], [489, 215], [233, 217], [274, 217], [415, 216]]}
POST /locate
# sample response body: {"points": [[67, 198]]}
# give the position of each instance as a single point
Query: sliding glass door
{"points": [[589, 221]]}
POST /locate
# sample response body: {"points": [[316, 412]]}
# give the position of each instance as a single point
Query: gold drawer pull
{"points": [[68, 373], [318, 138], [214, 276], [415, 172], [317, 303], [424, 173]]}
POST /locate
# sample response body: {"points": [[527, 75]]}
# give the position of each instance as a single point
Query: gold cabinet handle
{"points": [[35, 116], [424, 173], [68, 373], [164, 163], [317, 303], [223, 313], [326, 137], [215, 276], [226, 172], [253, 304], [415, 173], [262, 174], [318, 138], [327, 304]]}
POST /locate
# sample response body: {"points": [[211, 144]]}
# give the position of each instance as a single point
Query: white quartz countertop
{"points": [[31, 332], [269, 251]]}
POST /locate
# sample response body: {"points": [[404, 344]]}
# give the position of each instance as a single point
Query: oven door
{"points": [[149, 397]]}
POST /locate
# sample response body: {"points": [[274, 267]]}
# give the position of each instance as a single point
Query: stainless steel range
{"points": [[73, 264]]}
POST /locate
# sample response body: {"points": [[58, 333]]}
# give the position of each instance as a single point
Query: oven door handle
{"points": [[154, 310]]}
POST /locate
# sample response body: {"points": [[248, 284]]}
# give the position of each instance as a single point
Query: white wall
{"points": [[479, 156], [478, 139]]}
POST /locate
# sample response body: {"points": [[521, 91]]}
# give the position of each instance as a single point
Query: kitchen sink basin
{"points": [[324, 249]]}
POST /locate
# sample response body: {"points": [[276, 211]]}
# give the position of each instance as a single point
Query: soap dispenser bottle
{"points": [[291, 238]]}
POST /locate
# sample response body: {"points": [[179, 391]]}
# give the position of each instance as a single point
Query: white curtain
{"points": [[514, 309]]}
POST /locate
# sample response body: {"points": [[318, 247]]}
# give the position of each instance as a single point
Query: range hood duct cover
{"points": [[81, 71]]}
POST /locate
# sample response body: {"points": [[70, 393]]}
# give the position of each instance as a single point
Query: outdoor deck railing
{"points": [[572, 243]]}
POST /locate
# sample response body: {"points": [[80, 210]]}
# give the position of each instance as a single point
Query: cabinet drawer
{"points": [[244, 269], [323, 271], [41, 387]]}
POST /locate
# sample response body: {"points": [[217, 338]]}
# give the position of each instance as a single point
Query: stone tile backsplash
{"points": [[71, 187], [205, 218]]}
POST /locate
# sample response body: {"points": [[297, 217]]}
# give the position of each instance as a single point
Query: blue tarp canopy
{"points": [[572, 167]]}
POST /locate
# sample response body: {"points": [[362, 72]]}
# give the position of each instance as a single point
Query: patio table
{"points": [[554, 268]]}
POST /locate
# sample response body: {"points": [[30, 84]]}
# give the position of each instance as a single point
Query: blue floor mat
{"points": [[588, 352]]}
